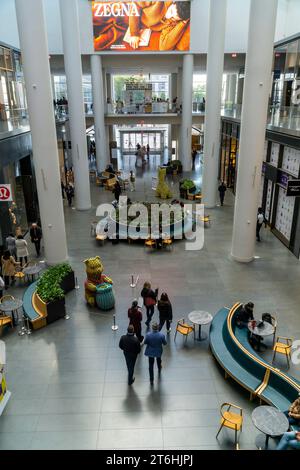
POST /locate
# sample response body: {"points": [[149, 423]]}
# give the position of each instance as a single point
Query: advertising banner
{"points": [[133, 26]]}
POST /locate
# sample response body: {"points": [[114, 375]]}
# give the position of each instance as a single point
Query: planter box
{"points": [[68, 283], [55, 310], [52, 311]]}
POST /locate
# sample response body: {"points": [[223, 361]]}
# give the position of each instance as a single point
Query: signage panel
{"points": [[293, 188], [5, 193], [133, 26]]}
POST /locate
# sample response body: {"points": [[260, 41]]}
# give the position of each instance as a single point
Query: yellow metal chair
{"points": [[5, 320], [206, 220], [19, 275], [274, 323], [150, 243], [283, 345], [110, 183], [101, 238], [168, 243], [231, 419], [184, 329], [6, 297]]}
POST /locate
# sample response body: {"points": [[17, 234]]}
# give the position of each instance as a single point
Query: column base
{"points": [[83, 208], [54, 263], [242, 260]]}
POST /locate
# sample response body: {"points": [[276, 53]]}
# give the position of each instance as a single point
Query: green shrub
{"points": [[48, 287], [187, 184]]}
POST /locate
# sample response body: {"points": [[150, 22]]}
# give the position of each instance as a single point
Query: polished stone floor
{"points": [[69, 381]]}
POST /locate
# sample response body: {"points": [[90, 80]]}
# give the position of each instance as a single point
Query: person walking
{"points": [[132, 181], [36, 236], [2, 285], [194, 155], [117, 191], [11, 245], [135, 318], [154, 348], [149, 297], [259, 222], [70, 194], [148, 151], [8, 268], [131, 347], [222, 190], [165, 311], [22, 250], [63, 188]]}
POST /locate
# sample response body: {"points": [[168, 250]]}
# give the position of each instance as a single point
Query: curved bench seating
{"points": [[231, 348], [31, 309]]}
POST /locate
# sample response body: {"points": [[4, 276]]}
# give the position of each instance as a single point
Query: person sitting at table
{"points": [[293, 413], [110, 169], [244, 315], [289, 439]]}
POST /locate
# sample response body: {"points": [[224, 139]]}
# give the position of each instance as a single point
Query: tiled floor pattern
{"points": [[69, 382]]}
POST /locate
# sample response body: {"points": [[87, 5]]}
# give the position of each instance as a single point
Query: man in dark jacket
{"points": [[222, 190], [245, 314], [36, 235], [131, 347]]}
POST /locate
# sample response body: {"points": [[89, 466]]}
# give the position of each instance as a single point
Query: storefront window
{"points": [[12, 91]]}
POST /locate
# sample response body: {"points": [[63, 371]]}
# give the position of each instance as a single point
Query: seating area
{"points": [[31, 309], [231, 348]]}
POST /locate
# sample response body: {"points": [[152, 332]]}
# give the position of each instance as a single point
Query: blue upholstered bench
{"points": [[36, 318], [231, 347]]}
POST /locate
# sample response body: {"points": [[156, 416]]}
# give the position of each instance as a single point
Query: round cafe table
{"points": [[199, 317], [265, 330], [32, 271], [271, 422], [11, 306]]}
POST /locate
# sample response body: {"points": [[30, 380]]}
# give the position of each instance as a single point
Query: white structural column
{"points": [[73, 68], [186, 119], [253, 126], [215, 65], [102, 158], [34, 49]]}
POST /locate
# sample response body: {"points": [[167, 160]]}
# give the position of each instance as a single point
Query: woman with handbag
{"points": [[149, 297]]}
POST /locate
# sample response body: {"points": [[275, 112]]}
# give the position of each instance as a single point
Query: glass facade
{"points": [[286, 75], [229, 153], [12, 88]]}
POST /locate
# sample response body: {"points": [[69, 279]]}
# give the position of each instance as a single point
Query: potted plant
{"points": [[51, 290], [185, 186]]}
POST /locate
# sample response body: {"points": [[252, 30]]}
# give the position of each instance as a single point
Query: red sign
{"points": [[5, 192]]}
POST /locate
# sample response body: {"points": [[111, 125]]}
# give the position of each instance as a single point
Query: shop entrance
{"points": [[130, 139]]}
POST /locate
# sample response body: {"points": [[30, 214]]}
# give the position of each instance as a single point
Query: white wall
{"points": [[293, 18], [8, 23], [288, 23]]}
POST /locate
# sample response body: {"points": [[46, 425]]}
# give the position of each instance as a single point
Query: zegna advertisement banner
{"points": [[130, 26]]}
